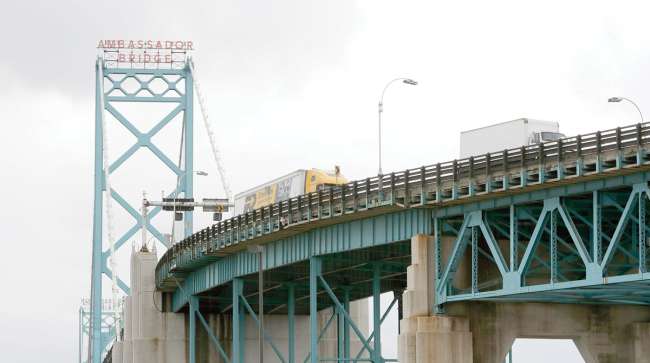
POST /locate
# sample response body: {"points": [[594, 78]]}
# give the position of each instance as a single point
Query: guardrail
{"points": [[429, 185]]}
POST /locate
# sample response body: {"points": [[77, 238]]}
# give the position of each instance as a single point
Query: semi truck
{"points": [[507, 135], [297, 183]]}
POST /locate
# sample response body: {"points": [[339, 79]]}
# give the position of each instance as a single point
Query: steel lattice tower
{"points": [[177, 89]]}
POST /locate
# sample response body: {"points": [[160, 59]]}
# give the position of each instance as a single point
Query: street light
{"points": [[619, 99], [381, 109]]}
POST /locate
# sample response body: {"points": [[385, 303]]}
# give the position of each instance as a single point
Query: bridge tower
{"points": [[163, 79]]}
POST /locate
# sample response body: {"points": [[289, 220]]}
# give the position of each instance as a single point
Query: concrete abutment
{"points": [[483, 332]]}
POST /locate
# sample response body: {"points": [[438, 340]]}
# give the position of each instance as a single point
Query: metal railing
{"points": [[429, 185]]}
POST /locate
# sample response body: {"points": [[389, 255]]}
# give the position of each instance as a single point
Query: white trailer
{"points": [[277, 190], [507, 135]]}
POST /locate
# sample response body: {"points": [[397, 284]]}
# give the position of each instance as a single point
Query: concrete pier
{"points": [[151, 335], [483, 332]]}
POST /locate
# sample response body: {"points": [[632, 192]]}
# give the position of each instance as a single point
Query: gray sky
{"points": [[290, 84]]}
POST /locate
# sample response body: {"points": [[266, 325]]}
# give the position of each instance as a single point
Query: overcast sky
{"points": [[290, 85]]}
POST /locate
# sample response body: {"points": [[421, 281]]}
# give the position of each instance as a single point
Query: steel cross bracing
{"points": [[510, 171], [583, 247], [561, 222], [149, 86], [107, 331], [326, 289]]}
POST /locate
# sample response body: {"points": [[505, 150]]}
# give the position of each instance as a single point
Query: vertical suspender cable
{"points": [[109, 212], [178, 182], [213, 143]]}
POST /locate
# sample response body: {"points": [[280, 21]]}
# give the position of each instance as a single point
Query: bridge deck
{"points": [[441, 190]]}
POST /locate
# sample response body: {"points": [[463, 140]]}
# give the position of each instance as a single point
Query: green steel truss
{"points": [[559, 222], [584, 243], [457, 182], [305, 288], [129, 85]]}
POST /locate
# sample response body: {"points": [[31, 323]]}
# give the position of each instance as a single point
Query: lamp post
{"points": [[380, 110], [619, 99]]}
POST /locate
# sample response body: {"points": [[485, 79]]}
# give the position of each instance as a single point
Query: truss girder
{"points": [[567, 269], [528, 171]]}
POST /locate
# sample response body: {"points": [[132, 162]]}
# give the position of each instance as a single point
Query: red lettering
{"points": [[168, 58], [186, 45], [121, 57]]}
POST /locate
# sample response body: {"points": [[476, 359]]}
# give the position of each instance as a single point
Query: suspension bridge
{"points": [[546, 240]]}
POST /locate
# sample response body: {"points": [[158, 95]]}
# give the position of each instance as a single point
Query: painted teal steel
{"points": [[178, 90], [376, 313], [291, 313], [347, 236], [578, 273], [380, 230], [95, 344], [238, 322], [193, 302], [603, 168], [459, 183], [315, 269]]}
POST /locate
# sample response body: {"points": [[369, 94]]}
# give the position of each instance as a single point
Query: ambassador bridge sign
{"points": [[145, 53]]}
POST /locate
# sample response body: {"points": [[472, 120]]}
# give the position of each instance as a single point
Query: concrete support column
{"points": [[127, 343], [641, 336], [150, 335], [418, 298], [425, 338], [602, 334]]}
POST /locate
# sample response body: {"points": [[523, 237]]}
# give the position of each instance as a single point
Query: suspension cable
{"points": [[213, 143]]}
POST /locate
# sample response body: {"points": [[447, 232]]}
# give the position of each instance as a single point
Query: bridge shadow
{"points": [[349, 272]]}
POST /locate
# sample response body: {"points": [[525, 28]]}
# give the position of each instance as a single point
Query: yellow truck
{"points": [[286, 187]]}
